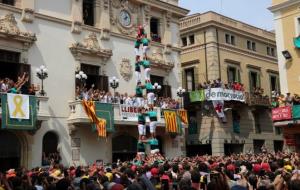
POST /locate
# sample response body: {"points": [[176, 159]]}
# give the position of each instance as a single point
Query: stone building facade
{"points": [[215, 46], [97, 37]]}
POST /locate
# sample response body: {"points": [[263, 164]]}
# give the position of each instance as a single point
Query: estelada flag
{"points": [[89, 107], [173, 124], [182, 113]]}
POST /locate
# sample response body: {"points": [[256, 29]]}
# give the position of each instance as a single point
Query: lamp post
{"points": [[156, 88], [180, 92], [81, 76], [114, 83], [42, 73]]}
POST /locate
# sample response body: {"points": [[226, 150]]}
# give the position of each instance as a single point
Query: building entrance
{"points": [[233, 148], [10, 151], [124, 147]]}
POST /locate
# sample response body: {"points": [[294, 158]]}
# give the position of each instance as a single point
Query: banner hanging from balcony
{"points": [[183, 115], [105, 111], [130, 113], [224, 94], [282, 113], [218, 94], [173, 122], [18, 112], [197, 96], [296, 111]]}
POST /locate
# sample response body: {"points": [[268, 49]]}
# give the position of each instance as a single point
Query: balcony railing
{"points": [[257, 100], [79, 117]]}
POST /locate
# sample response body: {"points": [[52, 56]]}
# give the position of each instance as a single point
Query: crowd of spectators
{"points": [[265, 171], [280, 100], [219, 84], [21, 86], [117, 98]]}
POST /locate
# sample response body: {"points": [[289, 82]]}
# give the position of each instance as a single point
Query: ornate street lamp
{"points": [[81, 76], [156, 88], [180, 92], [42, 73], [114, 83]]}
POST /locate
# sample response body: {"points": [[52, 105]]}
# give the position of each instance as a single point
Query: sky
{"points": [[253, 12]]}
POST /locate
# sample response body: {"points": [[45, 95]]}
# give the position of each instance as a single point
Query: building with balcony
{"points": [[96, 37], [287, 28], [218, 47]]}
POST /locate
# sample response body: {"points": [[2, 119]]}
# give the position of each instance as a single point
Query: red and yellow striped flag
{"points": [[89, 107], [183, 116], [171, 121]]}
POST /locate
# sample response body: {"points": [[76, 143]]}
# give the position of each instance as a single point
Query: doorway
{"points": [[200, 149], [257, 145], [124, 147], [233, 149], [50, 153], [10, 151]]}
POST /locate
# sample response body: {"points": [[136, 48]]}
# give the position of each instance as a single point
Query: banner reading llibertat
{"points": [[224, 94]]}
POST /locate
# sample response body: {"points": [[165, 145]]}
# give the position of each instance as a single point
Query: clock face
{"points": [[125, 18]]}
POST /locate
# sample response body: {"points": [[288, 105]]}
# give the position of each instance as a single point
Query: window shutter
{"points": [[238, 75], [167, 91], [184, 81], [250, 82], [228, 75], [105, 83], [258, 80]]}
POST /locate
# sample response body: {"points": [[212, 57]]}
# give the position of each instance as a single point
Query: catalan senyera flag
{"points": [[89, 107], [182, 113], [173, 123]]}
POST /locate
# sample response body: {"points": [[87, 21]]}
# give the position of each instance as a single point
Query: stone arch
{"points": [[49, 146]]}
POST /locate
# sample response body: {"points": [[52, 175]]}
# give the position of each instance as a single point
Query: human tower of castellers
{"points": [[141, 60]]}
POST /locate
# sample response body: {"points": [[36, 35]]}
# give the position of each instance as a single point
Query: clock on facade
{"points": [[125, 18]]}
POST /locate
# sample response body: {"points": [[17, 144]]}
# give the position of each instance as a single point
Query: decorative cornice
{"points": [[181, 12], [253, 67], [188, 63], [230, 61], [283, 5], [161, 64], [10, 30], [90, 47], [272, 71]]}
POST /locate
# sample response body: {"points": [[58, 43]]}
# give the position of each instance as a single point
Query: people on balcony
{"points": [[219, 84], [279, 100], [21, 86]]}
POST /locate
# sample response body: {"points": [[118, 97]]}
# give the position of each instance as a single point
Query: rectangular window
{"points": [[274, 83], [230, 39], [192, 39], [190, 82], [94, 77], [251, 45], [8, 2], [184, 41], [88, 12], [155, 29], [254, 78], [271, 51], [233, 74]]}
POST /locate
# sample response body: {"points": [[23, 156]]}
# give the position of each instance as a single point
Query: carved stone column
{"points": [[76, 16], [145, 15], [28, 11], [167, 36], [105, 20], [97, 12]]}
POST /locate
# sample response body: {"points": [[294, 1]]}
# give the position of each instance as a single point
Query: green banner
{"points": [[197, 96], [19, 124], [105, 111], [296, 112]]}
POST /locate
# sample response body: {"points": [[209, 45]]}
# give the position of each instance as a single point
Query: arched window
{"points": [[10, 151], [50, 153]]}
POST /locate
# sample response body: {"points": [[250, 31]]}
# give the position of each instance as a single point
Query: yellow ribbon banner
{"points": [[18, 101], [18, 105]]}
